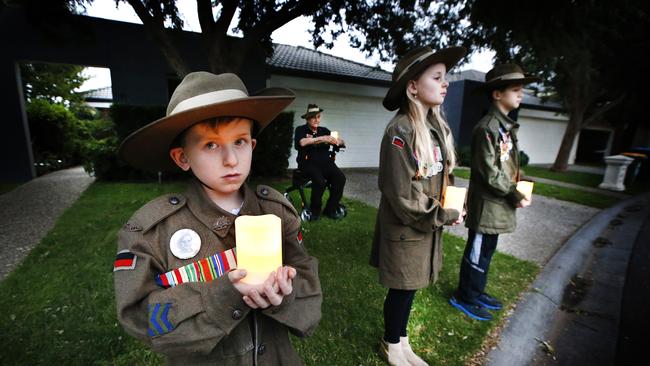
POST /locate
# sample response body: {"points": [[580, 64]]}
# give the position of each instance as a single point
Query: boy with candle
{"points": [[175, 283], [493, 195]]}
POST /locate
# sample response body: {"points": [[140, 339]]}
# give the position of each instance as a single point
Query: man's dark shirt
{"points": [[315, 153]]}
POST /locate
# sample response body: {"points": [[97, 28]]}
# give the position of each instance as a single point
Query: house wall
{"points": [[354, 110], [540, 134]]}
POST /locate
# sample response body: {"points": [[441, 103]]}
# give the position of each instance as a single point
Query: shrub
{"points": [[523, 158], [464, 156], [49, 125], [100, 149], [271, 155]]}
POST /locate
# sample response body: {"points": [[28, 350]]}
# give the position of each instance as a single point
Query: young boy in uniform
{"points": [[492, 196], [176, 285]]}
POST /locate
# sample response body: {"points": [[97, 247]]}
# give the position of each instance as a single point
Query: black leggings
{"points": [[397, 308]]}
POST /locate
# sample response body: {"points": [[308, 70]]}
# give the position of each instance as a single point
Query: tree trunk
{"points": [[169, 50], [572, 129], [225, 54]]}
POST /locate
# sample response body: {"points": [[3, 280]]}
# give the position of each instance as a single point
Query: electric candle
{"points": [[454, 198], [526, 188], [335, 134], [259, 246]]}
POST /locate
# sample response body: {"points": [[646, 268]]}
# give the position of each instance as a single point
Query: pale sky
{"points": [[295, 33]]}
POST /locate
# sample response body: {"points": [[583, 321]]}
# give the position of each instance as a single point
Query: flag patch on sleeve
{"points": [[398, 142], [124, 260]]}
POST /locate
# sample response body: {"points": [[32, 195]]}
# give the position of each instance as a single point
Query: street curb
{"points": [[535, 314]]}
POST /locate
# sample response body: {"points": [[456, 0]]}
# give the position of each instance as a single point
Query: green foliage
{"points": [[128, 118], [58, 306], [580, 178], [100, 149], [50, 125], [523, 158], [55, 83], [575, 195], [464, 155], [271, 155]]}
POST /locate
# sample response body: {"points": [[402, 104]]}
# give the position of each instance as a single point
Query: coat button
{"points": [[264, 192], [237, 314], [402, 237], [261, 349], [174, 200]]}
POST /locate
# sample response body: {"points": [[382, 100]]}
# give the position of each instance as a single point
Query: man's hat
{"points": [[312, 110], [200, 96], [414, 62], [506, 74]]}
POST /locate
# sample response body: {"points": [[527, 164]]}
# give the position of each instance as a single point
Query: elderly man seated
{"points": [[317, 149]]}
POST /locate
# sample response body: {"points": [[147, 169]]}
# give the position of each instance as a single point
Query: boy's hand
{"points": [[525, 202], [278, 285], [235, 276]]}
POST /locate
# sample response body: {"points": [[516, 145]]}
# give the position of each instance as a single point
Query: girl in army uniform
{"points": [[492, 196], [416, 158], [176, 285]]}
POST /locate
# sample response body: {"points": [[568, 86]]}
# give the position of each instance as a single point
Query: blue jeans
{"points": [[475, 265]]}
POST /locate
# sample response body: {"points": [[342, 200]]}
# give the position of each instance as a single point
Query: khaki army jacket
{"points": [[407, 243], [492, 195], [207, 322]]}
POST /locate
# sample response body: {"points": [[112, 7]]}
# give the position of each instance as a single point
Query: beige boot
{"points": [[410, 356], [393, 353]]}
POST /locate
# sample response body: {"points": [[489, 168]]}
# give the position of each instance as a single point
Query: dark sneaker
{"points": [[489, 302], [476, 312]]}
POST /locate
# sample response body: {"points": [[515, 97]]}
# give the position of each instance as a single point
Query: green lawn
{"points": [[579, 178], [58, 306], [563, 193]]}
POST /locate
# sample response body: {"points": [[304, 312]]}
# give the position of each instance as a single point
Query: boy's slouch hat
{"points": [[504, 75], [199, 97]]}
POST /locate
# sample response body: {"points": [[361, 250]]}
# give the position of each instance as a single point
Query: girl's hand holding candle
{"points": [[454, 198]]}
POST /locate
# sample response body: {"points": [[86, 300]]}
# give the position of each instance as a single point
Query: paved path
{"points": [[574, 305], [541, 230], [29, 211]]}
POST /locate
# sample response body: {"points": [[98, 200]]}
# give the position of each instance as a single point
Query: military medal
{"points": [[505, 145], [185, 243]]}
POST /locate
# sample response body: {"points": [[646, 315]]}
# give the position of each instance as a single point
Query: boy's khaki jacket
{"points": [[209, 321], [407, 243], [492, 195]]}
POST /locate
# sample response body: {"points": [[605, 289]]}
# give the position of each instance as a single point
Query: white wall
{"points": [[352, 109], [540, 135]]}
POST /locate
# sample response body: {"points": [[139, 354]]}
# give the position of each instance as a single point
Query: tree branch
{"points": [[157, 31], [603, 109], [289, 11], [206, 18], [227, 13]]}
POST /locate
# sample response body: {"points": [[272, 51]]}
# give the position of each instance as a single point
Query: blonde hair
{"points": [[423, 145]]}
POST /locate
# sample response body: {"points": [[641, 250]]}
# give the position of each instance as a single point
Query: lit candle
{"points": [[259, 246], [454, 198], [526, 188], [335, 134]]}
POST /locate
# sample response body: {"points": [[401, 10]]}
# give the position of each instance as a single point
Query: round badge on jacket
{"points": [[185, 244]]}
